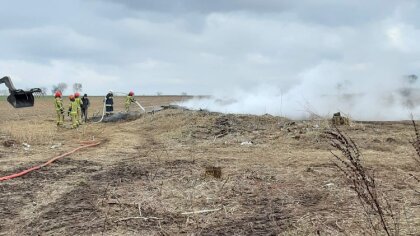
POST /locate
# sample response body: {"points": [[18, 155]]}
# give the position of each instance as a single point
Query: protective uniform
{"points": [[85, 106], [80, 103], [74, 106], [59, 108], [109, 103], [130, 99]]}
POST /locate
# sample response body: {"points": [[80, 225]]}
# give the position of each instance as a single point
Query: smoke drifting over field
{"points": [[358, 91], [279, 57]]}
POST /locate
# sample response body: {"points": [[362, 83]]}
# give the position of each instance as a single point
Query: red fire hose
{"points": [[85, 144]]}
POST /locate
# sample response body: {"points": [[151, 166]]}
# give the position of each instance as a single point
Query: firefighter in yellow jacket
{"points": [[130, 99], [73, 108], [59, 108], [80, 103]]}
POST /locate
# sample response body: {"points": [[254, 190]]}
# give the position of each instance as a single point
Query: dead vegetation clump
{"points": [[416, 145], [214, 171], [10, 143], [232, 126], [381, 215], [338, 120]]}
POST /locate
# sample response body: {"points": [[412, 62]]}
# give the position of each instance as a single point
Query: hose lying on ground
{"points": [[103, 114], [85, 144]]}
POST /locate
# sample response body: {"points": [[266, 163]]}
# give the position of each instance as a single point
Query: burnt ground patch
{"points": [[73, 213], [13, 196], [122, 172], [90, 207], [18, 193], [86, 209], [81, 211]]}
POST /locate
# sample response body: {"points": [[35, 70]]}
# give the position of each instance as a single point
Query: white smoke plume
{"points": [[361, 91]]}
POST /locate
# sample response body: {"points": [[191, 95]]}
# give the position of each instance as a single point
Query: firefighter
{"points": [[109, 103], [74, 106], [85, 106], [130, 99], [80, 103], [59, 108]]}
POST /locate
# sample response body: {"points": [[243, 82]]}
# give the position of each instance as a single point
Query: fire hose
{"points": [[141, 107], [138, 104], [104, 108], [103, 114], [85, 144]]}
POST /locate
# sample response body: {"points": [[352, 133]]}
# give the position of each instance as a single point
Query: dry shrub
{"points": [[381, 215], [416, 143]]}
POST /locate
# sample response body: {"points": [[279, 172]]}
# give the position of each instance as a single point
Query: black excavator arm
{"points": [[19, 98]]}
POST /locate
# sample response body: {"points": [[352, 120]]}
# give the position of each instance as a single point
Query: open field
{"points": [[148, 175]]}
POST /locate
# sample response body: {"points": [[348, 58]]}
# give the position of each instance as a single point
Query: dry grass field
{"points": [[148, 176]]}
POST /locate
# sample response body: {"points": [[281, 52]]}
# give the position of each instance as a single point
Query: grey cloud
{"points": [[206, 47], [203, 6], [333, 13]]}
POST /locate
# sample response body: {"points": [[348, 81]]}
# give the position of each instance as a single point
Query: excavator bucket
{"points": [[21, 98]]}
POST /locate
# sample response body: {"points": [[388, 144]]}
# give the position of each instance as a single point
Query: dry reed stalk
{"points": [[416, 142], [364, 184]]}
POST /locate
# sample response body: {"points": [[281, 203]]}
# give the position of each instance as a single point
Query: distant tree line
{"points": [[77, 87]]}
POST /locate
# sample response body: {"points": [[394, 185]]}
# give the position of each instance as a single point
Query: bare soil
{"points": [[148, 176]]}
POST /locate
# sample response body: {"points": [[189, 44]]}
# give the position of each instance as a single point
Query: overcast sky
{"points": [[203, 46]]}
